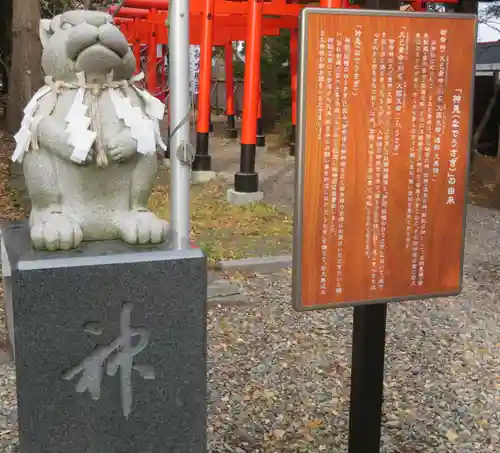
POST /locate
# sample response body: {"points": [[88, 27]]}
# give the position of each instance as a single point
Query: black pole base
{"points": [[246, 182], [231, 122], [231, 133], [260, 137], [292, 140], [202, 160], [367, 378]]}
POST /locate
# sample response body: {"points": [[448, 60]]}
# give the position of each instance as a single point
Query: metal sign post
{"points": [[180, 147], [368, 355]]}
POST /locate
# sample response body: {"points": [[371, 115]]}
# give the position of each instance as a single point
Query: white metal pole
{"points": [[178, 78]]}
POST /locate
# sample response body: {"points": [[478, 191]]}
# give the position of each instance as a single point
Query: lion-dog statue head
{"points": [[84, 41]]}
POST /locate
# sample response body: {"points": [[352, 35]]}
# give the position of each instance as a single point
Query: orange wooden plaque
{"points": [[384, 124]]}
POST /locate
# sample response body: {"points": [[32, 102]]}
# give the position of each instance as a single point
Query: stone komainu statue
{"points": [[89, 137]]}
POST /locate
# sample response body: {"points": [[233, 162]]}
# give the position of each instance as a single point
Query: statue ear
{"points": [[45, 31]]}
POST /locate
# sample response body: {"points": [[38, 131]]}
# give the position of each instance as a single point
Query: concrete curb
{"points": [[259, 265], [202, 177], [229, 300], [225, 292]]}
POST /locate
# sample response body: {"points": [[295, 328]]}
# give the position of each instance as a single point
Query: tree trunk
{"points": [[87, 4], [25, 71], [5, 42]]}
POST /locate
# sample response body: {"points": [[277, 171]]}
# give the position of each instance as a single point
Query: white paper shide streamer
{"points": [[23, 137], [82, 120], [78, 124]]}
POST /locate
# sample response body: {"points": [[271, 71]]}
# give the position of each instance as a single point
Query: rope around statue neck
{"points": [[94, 87], [85, 131]]}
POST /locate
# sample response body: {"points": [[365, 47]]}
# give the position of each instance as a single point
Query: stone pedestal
{"points": [[240, 198], [110, 346]]}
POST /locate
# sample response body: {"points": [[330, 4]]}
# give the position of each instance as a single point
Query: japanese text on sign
{"points": [[389, 143]]}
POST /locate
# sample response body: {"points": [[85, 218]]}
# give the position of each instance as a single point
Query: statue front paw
{"points": [[56, 232], [141, 228], [122, 147]]}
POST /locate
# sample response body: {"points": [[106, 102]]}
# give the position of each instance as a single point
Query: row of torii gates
{"points": [[220, 23]]}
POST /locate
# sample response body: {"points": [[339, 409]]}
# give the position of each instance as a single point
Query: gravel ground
{"points": [[279, 380]]}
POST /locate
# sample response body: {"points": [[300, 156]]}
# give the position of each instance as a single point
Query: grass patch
{"points": [[226, 231]]}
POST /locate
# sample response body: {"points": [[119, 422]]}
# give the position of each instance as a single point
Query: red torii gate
{"points": [[250, 17], [148, 27]]}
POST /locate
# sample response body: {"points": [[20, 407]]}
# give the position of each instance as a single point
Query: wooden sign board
{"points": [[384, 124]]}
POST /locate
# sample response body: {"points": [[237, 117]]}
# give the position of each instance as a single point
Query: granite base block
{"points": [[110, 346]]}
